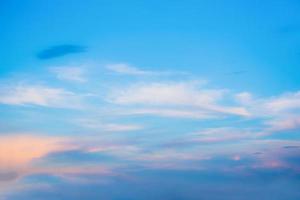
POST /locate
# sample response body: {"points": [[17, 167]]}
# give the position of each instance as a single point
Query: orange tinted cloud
{"points": [[16, 151]]}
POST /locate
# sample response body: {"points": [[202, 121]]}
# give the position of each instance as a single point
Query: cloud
{"points": [[176, 95], [171, 112], [277, 113], [76, 74], [167, 94], [244, 98], [213, 136], [126, 69], [74, 157], [109, 127], [40, 96], [74, 165], [17, 151], [284, 102], [120, 127], [284, 123], [26, 154], [291, 147], [224, 134], [59, 51], [162, 146]]}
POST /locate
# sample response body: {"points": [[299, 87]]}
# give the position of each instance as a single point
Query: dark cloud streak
{"points": [[291, 147], [59, 51]]}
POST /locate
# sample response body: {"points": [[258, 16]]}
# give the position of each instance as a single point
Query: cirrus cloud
{"points": [[70, 73], [175, 96], [40, 96]]}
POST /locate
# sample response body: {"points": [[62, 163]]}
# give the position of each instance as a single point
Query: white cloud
{"points": [[278, 113], [75, 74], [166, 94], [284, 123], [109, 127], [284, 102], [40, 96], [223, 134], [175, 95], [123, 68], [276, 106], [120, 127], [245, 98], [176, 113]]}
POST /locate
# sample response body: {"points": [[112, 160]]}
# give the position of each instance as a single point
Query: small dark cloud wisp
{"points": [[291, 147], [60, 50]]}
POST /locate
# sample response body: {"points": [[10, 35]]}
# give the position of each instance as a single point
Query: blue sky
{"points": [[149, 99]]}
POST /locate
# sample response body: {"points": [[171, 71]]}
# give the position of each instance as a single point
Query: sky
{"points": [[139, 100]]}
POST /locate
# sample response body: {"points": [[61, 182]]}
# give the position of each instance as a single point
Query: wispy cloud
{"points": [[279, 113], [109, 127], [120, 127], [128, 69], [170, 112], [244, 98], [214, 136], [291, 147], [166, 95], [284, 102], [223, 134], [123, 68], [70, 73], [284, 123], [39, 95]]}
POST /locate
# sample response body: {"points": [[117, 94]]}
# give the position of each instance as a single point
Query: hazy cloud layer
{"points": [[117, 130]]}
